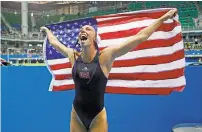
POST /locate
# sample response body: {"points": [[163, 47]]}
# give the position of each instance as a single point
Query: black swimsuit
{"points": [[90, 84]]}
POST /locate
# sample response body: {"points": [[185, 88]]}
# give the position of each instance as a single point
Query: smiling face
{"points": [[87, 35]]}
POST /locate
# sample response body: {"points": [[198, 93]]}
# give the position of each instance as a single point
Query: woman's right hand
{"points": [[44, 29]]}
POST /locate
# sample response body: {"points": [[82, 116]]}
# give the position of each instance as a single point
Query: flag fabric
{"points": [[156, 66]]}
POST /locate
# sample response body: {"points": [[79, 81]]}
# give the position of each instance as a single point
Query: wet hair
{"points": [[96, 46]]}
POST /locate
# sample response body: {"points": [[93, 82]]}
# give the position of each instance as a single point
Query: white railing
{"points": [[191, 29], [17, 37]]}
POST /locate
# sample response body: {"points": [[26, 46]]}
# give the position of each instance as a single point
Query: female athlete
{"points": [[90, 71]]}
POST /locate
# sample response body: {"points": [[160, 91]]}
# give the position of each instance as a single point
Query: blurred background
{"points": [[27, 106], [22, 43]]}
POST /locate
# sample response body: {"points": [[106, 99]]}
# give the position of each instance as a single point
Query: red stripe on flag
{"points": [[60, 66], [125, 90], [171, 74], [143, 91], [155, 14], [153, 60], [136, 76], [121, 20], [157, 43], [63, 87], [63, 76], [134, 31]]}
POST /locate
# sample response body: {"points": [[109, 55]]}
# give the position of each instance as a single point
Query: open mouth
{"points": [[83, 37]]}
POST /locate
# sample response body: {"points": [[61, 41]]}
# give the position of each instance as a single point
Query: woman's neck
{"points": [[88, 53]]}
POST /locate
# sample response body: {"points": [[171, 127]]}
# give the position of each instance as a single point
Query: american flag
{"points": [[156, 66]]}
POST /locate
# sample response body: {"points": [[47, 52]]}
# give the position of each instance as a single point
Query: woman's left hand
{"points": [[169, 14]]}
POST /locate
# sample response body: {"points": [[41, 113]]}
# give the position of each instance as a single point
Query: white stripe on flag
{"points": [[155, 36], [109, 18], [161, 51], [63, 82], [137, 12], [58, 61], [169, 83], [146, 11], [151, 68], [136, 69], [63, 71], [129, 25]]}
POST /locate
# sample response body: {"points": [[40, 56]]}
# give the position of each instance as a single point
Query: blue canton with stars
{"points": [[67, 33]]}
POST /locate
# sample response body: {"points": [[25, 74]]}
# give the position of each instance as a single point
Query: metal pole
{"points": [[28, 56], [8, 54]]}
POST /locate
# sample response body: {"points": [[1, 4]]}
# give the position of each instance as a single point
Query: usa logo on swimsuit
{"points": [[85, 74]]}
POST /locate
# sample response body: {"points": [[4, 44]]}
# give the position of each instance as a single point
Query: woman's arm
{"points": [[142, 36], [56, 44]]}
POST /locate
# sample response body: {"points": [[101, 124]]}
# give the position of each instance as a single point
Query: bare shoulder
{"points": [[73, 55], [106, 56], [76, 53], [106, 60]]}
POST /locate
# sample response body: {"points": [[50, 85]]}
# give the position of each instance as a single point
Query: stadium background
{"points": [[27, 106], [21, 41]]}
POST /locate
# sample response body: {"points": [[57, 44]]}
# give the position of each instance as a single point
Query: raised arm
{"points": [[142, 36], [68, 52], [55, 43]]}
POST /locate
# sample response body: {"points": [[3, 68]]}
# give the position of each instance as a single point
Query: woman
{"points": [[90, 70]]}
